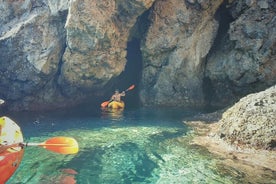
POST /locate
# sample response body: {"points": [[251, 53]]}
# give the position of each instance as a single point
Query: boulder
{"points": [[251, 122]]}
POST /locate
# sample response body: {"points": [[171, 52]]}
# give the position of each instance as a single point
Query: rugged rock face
{"points": [[242, 61], [199, 53], [252, 121], [56, 53], [97, 35], [178, 40], [32, 40]]}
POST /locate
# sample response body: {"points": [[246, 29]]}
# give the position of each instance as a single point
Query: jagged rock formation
{"points": [[243, 60], [59, 53]]}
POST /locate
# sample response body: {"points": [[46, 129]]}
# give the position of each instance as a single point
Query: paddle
{"points": [[62, 145], [104, 104]]}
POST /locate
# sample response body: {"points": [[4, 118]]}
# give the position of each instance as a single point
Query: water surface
{"points": [[133, 146]]}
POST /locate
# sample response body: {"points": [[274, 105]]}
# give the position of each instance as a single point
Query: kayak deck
{"points": [[10, 158]]}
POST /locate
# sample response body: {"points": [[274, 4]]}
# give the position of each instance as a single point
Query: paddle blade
{"points": [[104, 104], [62, 145], [131, 87]]}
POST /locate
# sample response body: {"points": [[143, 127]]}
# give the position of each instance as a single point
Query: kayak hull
{"points": [[116, 105], [9, 162], [10, 133]]}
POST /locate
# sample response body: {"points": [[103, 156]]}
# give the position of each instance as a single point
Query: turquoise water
{"points": [[138, 146]]}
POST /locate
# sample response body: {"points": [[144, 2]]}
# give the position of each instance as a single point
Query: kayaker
{"points": [[117, 96]]}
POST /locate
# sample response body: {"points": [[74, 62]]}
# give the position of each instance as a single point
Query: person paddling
{"points": [[117, 96]]}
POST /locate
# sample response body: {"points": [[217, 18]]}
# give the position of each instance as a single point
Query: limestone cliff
{"points": [[55, 53]]}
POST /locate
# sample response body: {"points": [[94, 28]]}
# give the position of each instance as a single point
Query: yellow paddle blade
{"points": [[62, 145]]}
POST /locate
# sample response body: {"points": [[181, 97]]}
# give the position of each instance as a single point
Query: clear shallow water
{"points": [[134, 146]]}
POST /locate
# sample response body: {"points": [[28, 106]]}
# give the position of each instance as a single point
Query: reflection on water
{"points": [[113, 114], [142, 147]]}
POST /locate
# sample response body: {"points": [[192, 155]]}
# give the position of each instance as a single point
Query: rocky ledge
{"points": [[244, 134]]}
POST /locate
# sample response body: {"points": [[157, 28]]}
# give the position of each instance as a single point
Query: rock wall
{"points": [[243, 59], [97, 34], [56, 53], [59, 53], [32, 41], [208, 53], [178, 40]]}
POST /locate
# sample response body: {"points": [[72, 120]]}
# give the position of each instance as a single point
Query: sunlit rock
{"points": [[252, 121]]}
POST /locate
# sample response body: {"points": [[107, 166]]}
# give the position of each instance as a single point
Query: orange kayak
{"points": [[10, 158], [116, 105]]}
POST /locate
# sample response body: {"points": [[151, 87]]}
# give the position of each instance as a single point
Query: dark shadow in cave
{"points": [[132, 73], [224, 17], [133, 70]]}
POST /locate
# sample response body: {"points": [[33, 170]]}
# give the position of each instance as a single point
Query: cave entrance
{"points": [[222, 44], [133, 70], [132, 73]]}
